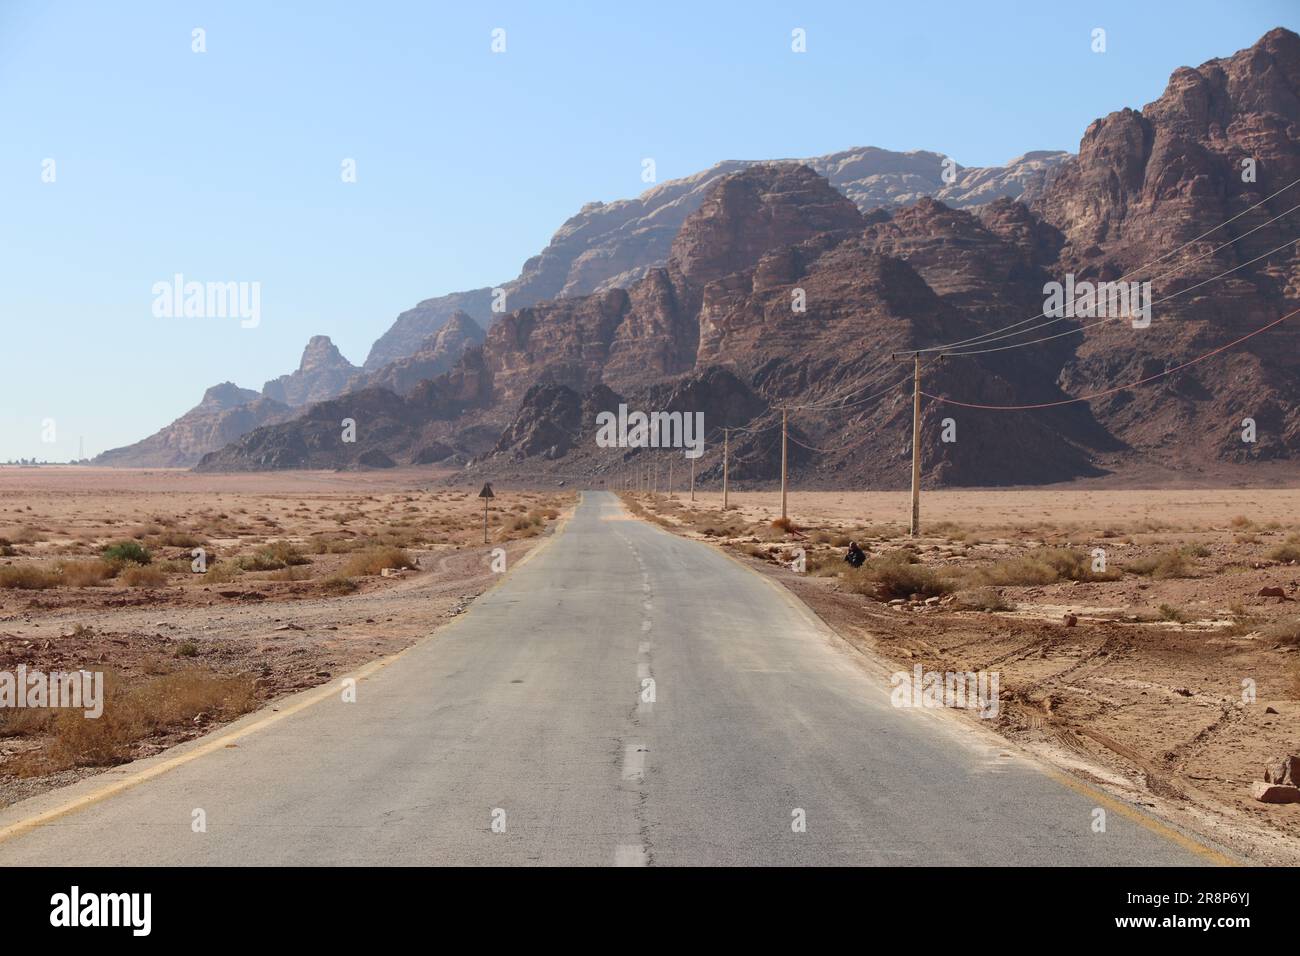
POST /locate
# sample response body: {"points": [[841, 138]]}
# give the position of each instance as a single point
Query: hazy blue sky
{"points": [[225, 165]]}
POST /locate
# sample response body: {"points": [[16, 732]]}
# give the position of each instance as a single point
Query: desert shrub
{"points": [[179, 539], [896, 574], [1170, 613], [1174, 563], [338, 584], [127, 552], [373, 560], [291, 573], [132, 713], [143, 576], [1284, 633], [7, 549], [784, 524], [1241, 522], [222, 573], [824, 564], [273, 557], [336, 544], [1288, 550], [85, 574], [187, 649], [1040, 566], [27, 577]]}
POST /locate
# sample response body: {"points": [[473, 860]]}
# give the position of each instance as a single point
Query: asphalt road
{"points": [[528, 712]]}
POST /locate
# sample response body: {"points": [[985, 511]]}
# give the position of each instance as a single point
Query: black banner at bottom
{"points": [[332, 905]]}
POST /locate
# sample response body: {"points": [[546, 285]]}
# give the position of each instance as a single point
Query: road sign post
{"points": [[485, 494]]}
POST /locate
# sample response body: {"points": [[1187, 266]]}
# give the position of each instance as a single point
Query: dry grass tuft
{"points": [[895, 574], [143, 576], [373, 560], [131, 714]]}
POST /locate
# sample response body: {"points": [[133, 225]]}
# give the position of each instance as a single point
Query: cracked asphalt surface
{"points": [[623, 697]]}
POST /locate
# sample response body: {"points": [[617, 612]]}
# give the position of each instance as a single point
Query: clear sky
{"points": [[226, 165]]}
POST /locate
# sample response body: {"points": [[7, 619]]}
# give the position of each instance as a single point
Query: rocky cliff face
{"points": [[438, 354], [387, 428], [777, 279], [416, 326], [322, 373], [611, 245], [225, 413], [1145, 184], [608, 246]]}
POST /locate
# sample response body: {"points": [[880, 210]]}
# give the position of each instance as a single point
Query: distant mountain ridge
{"points": [[604, 246], [1142, 190], [225, 413], [610, 245]]}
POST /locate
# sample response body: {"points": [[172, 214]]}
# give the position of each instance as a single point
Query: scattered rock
{"points": [[1275, 793], [1273, 592], [1283, 770], [1070, 619]]}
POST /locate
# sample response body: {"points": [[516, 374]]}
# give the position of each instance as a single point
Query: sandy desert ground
{"points": [[97, 571], [1167, 677]]}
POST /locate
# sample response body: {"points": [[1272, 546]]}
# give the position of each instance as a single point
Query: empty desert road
{"points": [[527, 712]]}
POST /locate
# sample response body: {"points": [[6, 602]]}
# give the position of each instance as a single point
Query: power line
{"points": [[1114, 318], [984, 335], [1178, 268], [1118, 388]]}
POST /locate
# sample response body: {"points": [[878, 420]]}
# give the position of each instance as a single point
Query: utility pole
{"points": [[670, 474], [915, 528], [725, 436], [692, 479], [654, 478], [783, 518]]}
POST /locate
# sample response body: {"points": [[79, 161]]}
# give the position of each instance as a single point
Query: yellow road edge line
{"points": [[217, 743], [1139, 817], [1143, 819], [20, 827]]}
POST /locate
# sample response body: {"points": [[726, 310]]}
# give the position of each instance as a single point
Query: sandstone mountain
{"points": [[777, 279], [1145, 184], [389, 428], [322, 373], [610, 245], [226, 412], [438, 354]]}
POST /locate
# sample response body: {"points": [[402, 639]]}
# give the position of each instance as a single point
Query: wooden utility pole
{"points": [[670, 474], [725, 435], [783, 464], [692, 479], [915, 525]]}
